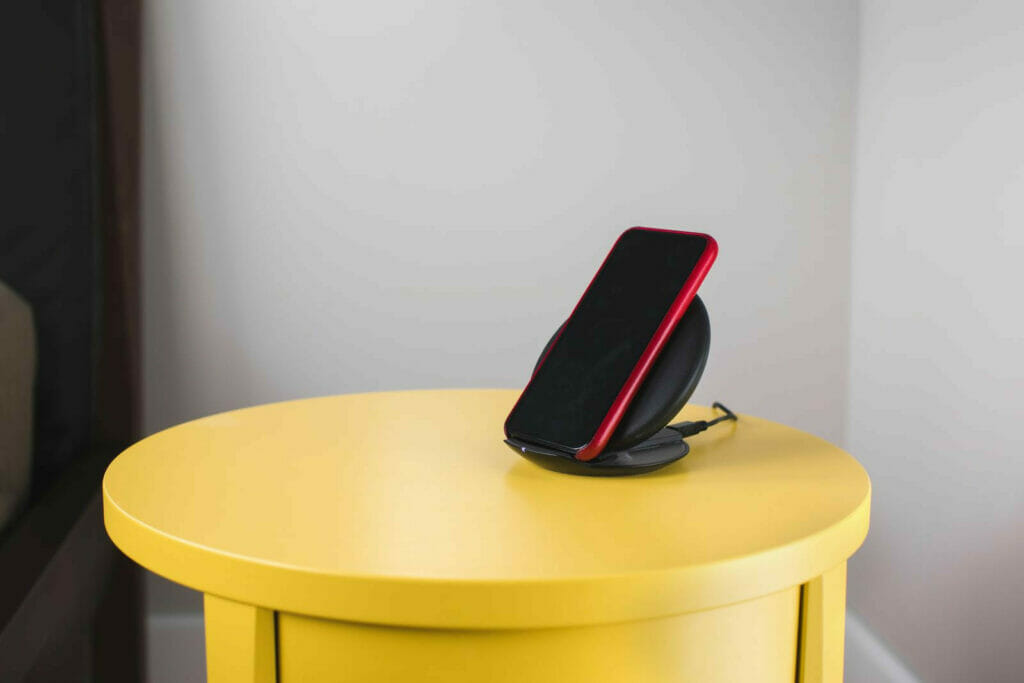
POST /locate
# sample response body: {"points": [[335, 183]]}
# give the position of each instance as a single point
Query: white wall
{"points": [[938, 334], [346, 197]]}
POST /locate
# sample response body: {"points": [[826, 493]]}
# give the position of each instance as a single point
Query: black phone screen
{"points": [[576, 385]]}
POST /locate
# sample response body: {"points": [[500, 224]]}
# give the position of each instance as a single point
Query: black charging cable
{"points": [[690, 428]]}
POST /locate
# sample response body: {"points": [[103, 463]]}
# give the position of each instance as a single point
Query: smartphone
{"points": [[583, 385]]}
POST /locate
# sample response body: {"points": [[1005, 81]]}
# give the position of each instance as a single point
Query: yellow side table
{"points": [[394, 537]]}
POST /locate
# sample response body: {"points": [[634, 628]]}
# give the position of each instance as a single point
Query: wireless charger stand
{"points": [[643, 442]]}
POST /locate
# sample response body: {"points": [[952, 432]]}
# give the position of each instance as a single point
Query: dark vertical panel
{"points": [[118, 363], [68, 244], [118, 649], [118, 645], [48, 219]]}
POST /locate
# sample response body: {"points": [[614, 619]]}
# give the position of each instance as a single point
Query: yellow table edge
{"points": [[487, 604]]}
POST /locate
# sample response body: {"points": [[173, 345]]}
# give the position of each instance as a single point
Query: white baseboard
{"points": [[177, 654], [868, 659]]}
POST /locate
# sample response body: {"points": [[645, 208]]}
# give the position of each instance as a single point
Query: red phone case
{"points": [[622, 400]]}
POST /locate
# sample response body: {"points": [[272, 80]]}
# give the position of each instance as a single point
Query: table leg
{"points": [[822, 627], [240, 642]]}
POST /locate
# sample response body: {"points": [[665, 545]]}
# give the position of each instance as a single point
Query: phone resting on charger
{"points": [[583, 385]]}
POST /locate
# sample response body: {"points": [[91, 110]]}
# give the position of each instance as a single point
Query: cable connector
{"points": [[690, 428]]}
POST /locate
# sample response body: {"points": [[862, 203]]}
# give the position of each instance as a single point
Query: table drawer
{"points": [[749, 641]]}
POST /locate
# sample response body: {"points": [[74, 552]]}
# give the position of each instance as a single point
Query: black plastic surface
{"points": [[669, 384], [568, 398], [642, 442], [662, 449]]}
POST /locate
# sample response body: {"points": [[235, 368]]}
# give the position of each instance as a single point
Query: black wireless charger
{"points": [[644, 441]]}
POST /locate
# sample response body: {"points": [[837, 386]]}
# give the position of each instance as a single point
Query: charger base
{"points": [[664, 448]]}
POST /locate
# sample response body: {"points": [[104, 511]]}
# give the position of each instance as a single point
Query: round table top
{"points": [[407, 508]]}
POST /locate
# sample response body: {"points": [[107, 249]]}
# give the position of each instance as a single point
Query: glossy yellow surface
{"points": [[747, 642], [407, 509], [240, 642], [822, 627], [394, 537]]}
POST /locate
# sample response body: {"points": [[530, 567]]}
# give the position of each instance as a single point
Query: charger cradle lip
{"points": [[664, 448]]}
